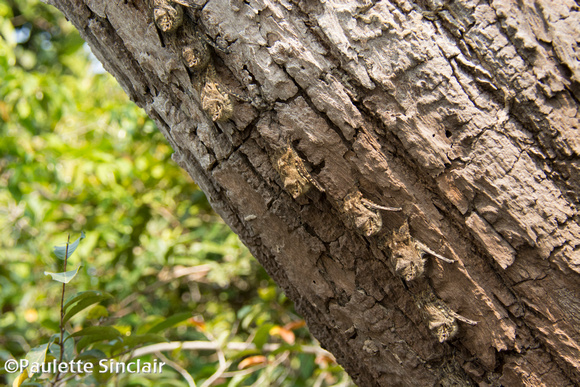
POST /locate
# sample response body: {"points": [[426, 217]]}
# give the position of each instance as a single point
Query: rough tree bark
{"points": [[464, 114]]}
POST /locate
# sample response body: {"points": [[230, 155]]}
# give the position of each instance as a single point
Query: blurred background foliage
{"points": [[76, 155]]}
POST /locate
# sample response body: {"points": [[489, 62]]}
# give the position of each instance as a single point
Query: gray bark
{"points": [[465, 115]]}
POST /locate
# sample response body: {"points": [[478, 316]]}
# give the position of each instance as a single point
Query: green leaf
{"points": [[307, 364], [61, 251], [249, 316], [88, 340], [286, 347], [244, 353], [31, 384], [131, 342], [262, 335], [244, 311], [267, 293], [37, 355], [54, 350], [92, 335], [69, 347], [85, 303], [97, 312], [20, 379], [50, 324], [64, 277], [69, 350], [82, 295], [151, 321], [91, 354], [169, 322], [105, 331]]}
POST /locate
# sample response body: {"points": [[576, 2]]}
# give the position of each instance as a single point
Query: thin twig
{"points": [[245, 371], [370, 204], [262, 379], [186, 375], [429, 251], [213, 346], [319, 379], [224, 365], [63, 382]]}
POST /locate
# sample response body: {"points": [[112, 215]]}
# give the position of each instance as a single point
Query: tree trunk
{"points": [[462, 114]]}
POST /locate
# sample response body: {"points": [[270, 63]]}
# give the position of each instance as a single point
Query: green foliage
{"points": [[67, 250], [157, 265]]}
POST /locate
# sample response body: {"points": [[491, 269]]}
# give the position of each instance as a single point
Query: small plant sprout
{"points": [[64, 253]]}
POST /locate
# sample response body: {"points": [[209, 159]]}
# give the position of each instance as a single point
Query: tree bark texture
{"points": [[464, 114]]}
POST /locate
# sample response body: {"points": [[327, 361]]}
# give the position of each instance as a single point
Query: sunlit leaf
{"points": [[97, 312], [267, 293], [20, 379], [64, 277], [85, 303], [285, 334], [67, 251], [37, 355], [198, 323], [295, 325], [244, 311], [324, 360], [31, 315], [252, 361]]}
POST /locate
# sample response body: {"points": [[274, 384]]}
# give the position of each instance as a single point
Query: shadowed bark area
{"points": [[463, 115]]}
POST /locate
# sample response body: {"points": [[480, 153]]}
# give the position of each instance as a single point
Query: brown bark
{"points": [[465, 115]]}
